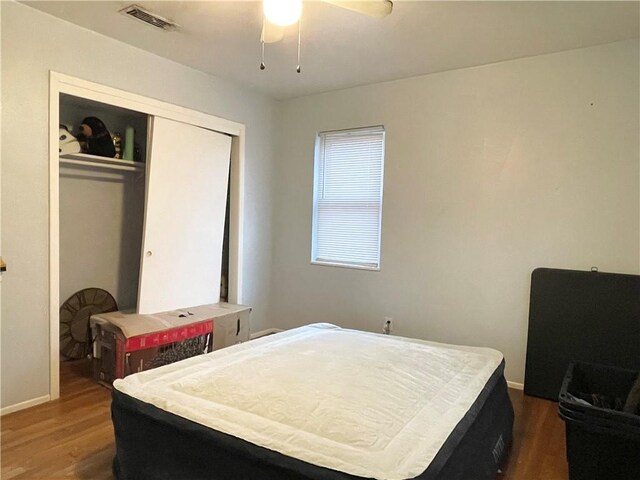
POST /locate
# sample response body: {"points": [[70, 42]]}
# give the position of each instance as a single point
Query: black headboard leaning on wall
{"points": [[576, 315]]}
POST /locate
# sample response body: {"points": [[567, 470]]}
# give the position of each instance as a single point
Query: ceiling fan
{"points": [[279, 14]]}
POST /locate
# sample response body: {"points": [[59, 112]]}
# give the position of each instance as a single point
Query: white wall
{"points": [[490, 172], [34, 43], [0, 197], [101, 221]]}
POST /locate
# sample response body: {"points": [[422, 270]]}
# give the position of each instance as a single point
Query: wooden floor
{"points": [[72, 437], [538, 451]]}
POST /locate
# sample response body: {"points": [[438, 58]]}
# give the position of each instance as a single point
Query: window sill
{"points": [[345, 265]]}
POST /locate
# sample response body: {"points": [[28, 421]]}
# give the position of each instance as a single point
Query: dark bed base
{"points": [[154, 444]]}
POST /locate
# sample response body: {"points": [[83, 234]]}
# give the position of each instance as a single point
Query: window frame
{"points": [[318, 158]]}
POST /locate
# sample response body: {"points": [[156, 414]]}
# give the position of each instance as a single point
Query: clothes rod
{"points": [[84, 163]]}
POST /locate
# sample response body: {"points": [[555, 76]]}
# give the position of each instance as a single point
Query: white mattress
{"points": [[365, 404]]}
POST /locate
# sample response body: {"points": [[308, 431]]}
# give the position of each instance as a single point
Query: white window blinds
{"points": [[347, 206]]}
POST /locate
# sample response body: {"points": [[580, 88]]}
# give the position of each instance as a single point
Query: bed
{"points": [[317, 402]]}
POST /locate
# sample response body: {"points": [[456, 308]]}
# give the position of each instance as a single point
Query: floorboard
{"points": [[72, 437], [69, 438], [538, 451]]}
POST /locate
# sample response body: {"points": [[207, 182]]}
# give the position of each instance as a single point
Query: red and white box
{"points": [[126, 343]]}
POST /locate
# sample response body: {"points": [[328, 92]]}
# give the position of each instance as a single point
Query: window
{"points": [[347, 198]]}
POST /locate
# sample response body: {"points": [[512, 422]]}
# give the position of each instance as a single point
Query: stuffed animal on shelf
{"points": [[95, 138], [68, 143]]}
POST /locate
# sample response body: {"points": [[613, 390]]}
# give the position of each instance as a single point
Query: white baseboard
{"points": [[515, 385], [22, 405], [262, 333]]}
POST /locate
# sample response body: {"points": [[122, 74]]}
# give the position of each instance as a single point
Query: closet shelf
{"points": [[86, 160]]}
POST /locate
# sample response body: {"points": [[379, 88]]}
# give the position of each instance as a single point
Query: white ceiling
{"points": [[343, 49]]}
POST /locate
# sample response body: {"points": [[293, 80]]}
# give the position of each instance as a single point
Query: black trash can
{"points": [[603, 442]]}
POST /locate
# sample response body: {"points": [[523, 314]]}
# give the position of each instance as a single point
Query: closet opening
{"points": [[101, 214], [111, 238]]}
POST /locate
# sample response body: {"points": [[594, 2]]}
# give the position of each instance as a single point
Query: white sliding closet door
{"points": [[187, 179]]}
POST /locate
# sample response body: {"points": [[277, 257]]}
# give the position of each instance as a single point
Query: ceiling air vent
{"points": [[143, 15]]}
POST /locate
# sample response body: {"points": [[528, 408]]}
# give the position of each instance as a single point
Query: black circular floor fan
{"points": [[74, 319]]}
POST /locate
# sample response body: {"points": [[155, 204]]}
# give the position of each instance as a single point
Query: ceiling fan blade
{"points": [[373, 8], [271, 33]]}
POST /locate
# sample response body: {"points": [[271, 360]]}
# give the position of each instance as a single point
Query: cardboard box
{"points": [[127, 343]]}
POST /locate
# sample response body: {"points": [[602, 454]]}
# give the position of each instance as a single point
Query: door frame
{"points": [[61, 83]]}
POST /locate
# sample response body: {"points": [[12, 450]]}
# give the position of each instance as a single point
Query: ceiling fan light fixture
{"points": [[282, 12]]}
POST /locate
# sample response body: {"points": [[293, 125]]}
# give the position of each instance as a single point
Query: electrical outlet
{"points": [[387, 325]]}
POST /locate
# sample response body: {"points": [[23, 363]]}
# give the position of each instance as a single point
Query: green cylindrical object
{"points": [[128, 143]]}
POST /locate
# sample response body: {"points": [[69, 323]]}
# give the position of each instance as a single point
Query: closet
{"points": [[149, 230], [160, 229], [101, 208]]}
